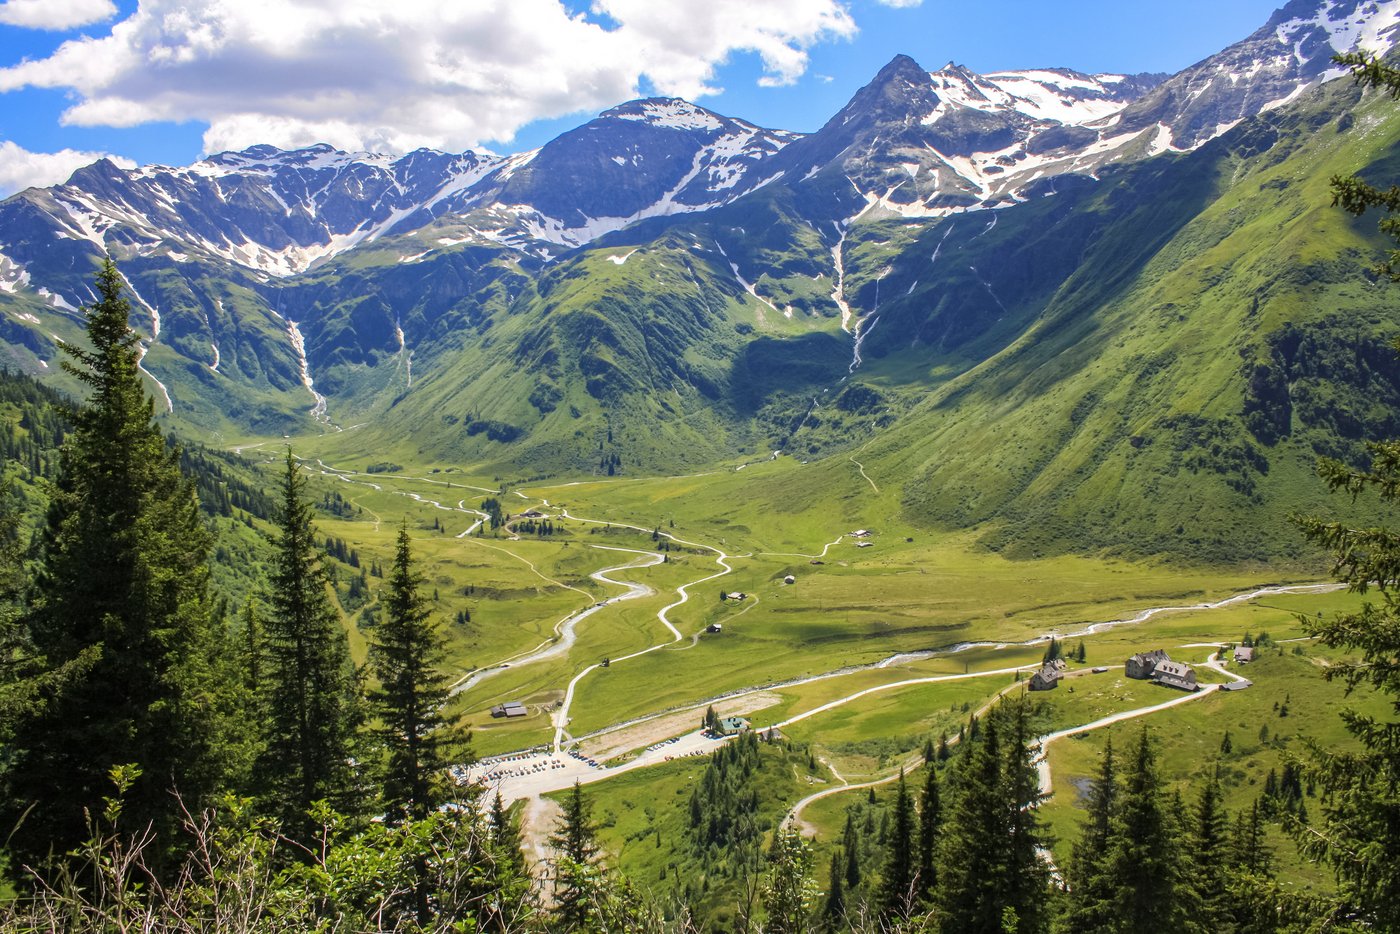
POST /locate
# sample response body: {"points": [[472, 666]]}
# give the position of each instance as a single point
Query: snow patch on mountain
{"points": [[1349, 25], [141, 351], [674, 114], [1065, 97], [318, 408], [13, 276]]}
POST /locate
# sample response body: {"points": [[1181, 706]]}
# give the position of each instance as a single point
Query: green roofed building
{"points": [[731, 726]]}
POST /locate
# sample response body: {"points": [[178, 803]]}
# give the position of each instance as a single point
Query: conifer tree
{"points": [[311, 693], [1090, 906], [16, 654], [1356, 831], [968, 895], [834, 909], [930, 822], [406, 655], [1249, 850], [575, 841], [252, 649], [998, 888], [897, 893], [1027, 876], [1143, 860], [121, 603], [1210, 859], [505, 837], [851, 844]]}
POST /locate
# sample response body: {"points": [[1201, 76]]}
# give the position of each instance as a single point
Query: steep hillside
{"points": [[1210, 331]]}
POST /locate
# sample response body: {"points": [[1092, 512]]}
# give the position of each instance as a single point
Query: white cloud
{"points": [[55, 14], [900, 4], [20, 168], [365, 74]]}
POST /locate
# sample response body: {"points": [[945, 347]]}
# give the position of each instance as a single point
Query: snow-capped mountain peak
{"points": [[914, 142], [1341, 25], [671, 113]]}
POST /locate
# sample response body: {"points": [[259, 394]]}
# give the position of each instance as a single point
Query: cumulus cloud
{"points": [[365, 74], [55, 14], [21, 169]]}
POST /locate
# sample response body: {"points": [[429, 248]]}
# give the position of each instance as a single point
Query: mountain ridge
{"points": [[664, 286]]}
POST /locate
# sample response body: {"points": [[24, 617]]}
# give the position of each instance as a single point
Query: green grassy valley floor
{"points": [[860, 661]]}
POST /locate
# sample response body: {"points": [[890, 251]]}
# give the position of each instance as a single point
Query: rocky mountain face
{"points": [[1290, 53], [922, 144], [665, 280]]}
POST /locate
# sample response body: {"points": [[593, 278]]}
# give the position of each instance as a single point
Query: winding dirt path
{"points": [[566, 630], [561, 715], [1042, 760], [913, 761], [789, 554], [861, 468]]}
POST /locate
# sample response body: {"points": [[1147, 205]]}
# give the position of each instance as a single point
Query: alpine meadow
{"points": [[977, 514]]}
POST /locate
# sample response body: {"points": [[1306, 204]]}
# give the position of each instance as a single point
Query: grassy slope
{"points": [[1115, 421]]}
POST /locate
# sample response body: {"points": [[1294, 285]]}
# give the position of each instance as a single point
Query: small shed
{"points": [[1046, 679], [790, 579], [1244, 654], [737, 595], [1237, 685], [1175, 675], [509, 709], [731, 726], [714, 627]]}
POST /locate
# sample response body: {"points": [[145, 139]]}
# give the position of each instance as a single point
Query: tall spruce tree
{"points": [[406, 655], [310, 690], [1027, 877], [834, 908], [16, 654], [993, 887], [1249, 849], [1090, 906], [930, 823], [897, 892], [505, 836], [1143, 864], [967, 895], [120, 602], [850, 843], [1210, 859], [252, 649], [575, 841]]}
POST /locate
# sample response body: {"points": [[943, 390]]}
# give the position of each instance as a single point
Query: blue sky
{"points": [[167, 80]]}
